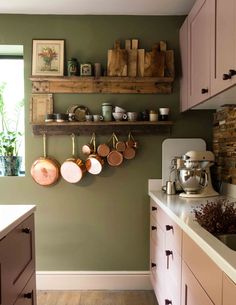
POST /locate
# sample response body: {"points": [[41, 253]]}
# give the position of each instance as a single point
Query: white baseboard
{"points": [[93, 280]]}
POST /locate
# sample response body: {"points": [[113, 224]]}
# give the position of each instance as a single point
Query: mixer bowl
{"points": [[192, 180]]}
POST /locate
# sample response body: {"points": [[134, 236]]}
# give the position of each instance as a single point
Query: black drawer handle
{"points": [[167, 302], [226, 76], [168, 228], [204, 90], [154, 228], [26, 230], [169, 252], [232, 72], [153, 265], [154, 208], [28, 295]]}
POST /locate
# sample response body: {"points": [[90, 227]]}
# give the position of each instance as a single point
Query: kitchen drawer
{"points": [[172, 231], [204, 269], [18, 260], [229, 290], [154, 209], [28, 294], [192, 292]]}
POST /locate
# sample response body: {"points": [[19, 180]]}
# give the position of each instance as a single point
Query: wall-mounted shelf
{"points": [[87, 128], [105, 84]]}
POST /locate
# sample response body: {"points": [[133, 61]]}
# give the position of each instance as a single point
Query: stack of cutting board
{"points": [[135, 62]]}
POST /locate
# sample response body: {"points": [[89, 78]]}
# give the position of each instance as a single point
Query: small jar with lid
{"points": [[72, 67], [153, 116], [107, 112]]}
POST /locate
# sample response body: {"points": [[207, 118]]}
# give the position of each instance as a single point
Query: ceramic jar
{"points": [[107, 112]]}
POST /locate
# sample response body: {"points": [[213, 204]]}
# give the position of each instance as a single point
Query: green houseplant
{"points": [[10, 138]]}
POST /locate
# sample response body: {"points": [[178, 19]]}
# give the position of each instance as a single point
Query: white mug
{"points": [[97, 117]]}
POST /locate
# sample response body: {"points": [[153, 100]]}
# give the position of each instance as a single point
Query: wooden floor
{"points": [[96, 298]]}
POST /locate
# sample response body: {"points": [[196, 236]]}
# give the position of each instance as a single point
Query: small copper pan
{"points": [[115, 158], [131, 144], [104, 149], [87, 149], [73, 169], [94, 163]]}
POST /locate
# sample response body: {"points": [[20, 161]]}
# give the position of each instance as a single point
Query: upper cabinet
{"points": [[199, 52], [223, 54], [208, 38]]}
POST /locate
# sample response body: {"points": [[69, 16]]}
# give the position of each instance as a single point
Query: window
{"points": [[12, 92]]}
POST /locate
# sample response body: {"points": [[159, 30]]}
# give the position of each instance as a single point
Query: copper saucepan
{"points": [[129, 152], [94, 162], [73, 169], [45, 171], [114, 158]]}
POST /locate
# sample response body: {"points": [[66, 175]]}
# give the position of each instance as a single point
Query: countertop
{"points": [[12, 215], [181, 211]]}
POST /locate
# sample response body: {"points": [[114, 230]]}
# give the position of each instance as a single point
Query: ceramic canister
{"points": [[107, 112]]}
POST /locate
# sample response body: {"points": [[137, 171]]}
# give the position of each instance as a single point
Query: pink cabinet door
{"points": [[183, 44], [199, 48], [229, 291], [192, 292], [224, 45]]}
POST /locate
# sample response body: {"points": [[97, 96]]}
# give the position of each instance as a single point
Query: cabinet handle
{"points": [[168, 253], [153, 265], [28, 295], [154, 228], [204, 90], [167, 302], [226, 76], [168, 228], [154, 208], [232, 72], [26, 230]]}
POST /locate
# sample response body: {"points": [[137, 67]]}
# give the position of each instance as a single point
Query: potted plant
{"points": [[10, 138]]}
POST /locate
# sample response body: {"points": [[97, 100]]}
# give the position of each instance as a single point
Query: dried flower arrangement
{"points": [[217, 217]]}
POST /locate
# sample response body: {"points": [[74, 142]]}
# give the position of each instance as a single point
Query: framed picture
{"points": [[41, 104], [48, 57]]}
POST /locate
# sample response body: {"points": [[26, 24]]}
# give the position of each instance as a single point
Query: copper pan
{"points": [[114, 158], [87, 149], [45, 171], [73, 169], [129, 152], [94, 162]]}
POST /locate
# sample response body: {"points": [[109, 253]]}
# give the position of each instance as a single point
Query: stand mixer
{"points": [[194, 174]]}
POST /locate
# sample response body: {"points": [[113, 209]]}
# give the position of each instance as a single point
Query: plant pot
{"points": [[10, 165]]}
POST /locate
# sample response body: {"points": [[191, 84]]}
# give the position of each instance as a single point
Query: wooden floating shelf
{"points": [[87, 128], [105, 84]]}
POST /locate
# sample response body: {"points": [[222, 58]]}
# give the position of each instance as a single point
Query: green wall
{"points": [[102, 223]]}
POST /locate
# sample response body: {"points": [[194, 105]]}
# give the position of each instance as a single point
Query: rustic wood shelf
{"points": [[105, 84], [87, 128]]}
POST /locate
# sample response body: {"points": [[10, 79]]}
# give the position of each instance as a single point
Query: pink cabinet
{"points": [[223, 51], [183, 44], [199, 51], [165, 256], [192, 291], [229, 291]]}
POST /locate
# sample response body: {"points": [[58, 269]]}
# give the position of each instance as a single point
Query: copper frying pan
{"points": [[45, 171]]}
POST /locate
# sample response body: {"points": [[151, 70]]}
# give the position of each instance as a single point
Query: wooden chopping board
{"points": [[131, 47], [154, 63], [117, 61]]}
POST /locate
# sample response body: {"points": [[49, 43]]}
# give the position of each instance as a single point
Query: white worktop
{"points": [[12, 215], [181, 211]]}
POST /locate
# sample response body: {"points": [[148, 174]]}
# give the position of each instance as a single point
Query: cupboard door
{"points": [[183, 44], [199, 48], [223, 45], [192, 292], [229, 291], [204, 269]]}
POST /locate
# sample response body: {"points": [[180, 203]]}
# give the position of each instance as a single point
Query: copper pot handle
{"points": [[44, 145], [73, 144]]}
